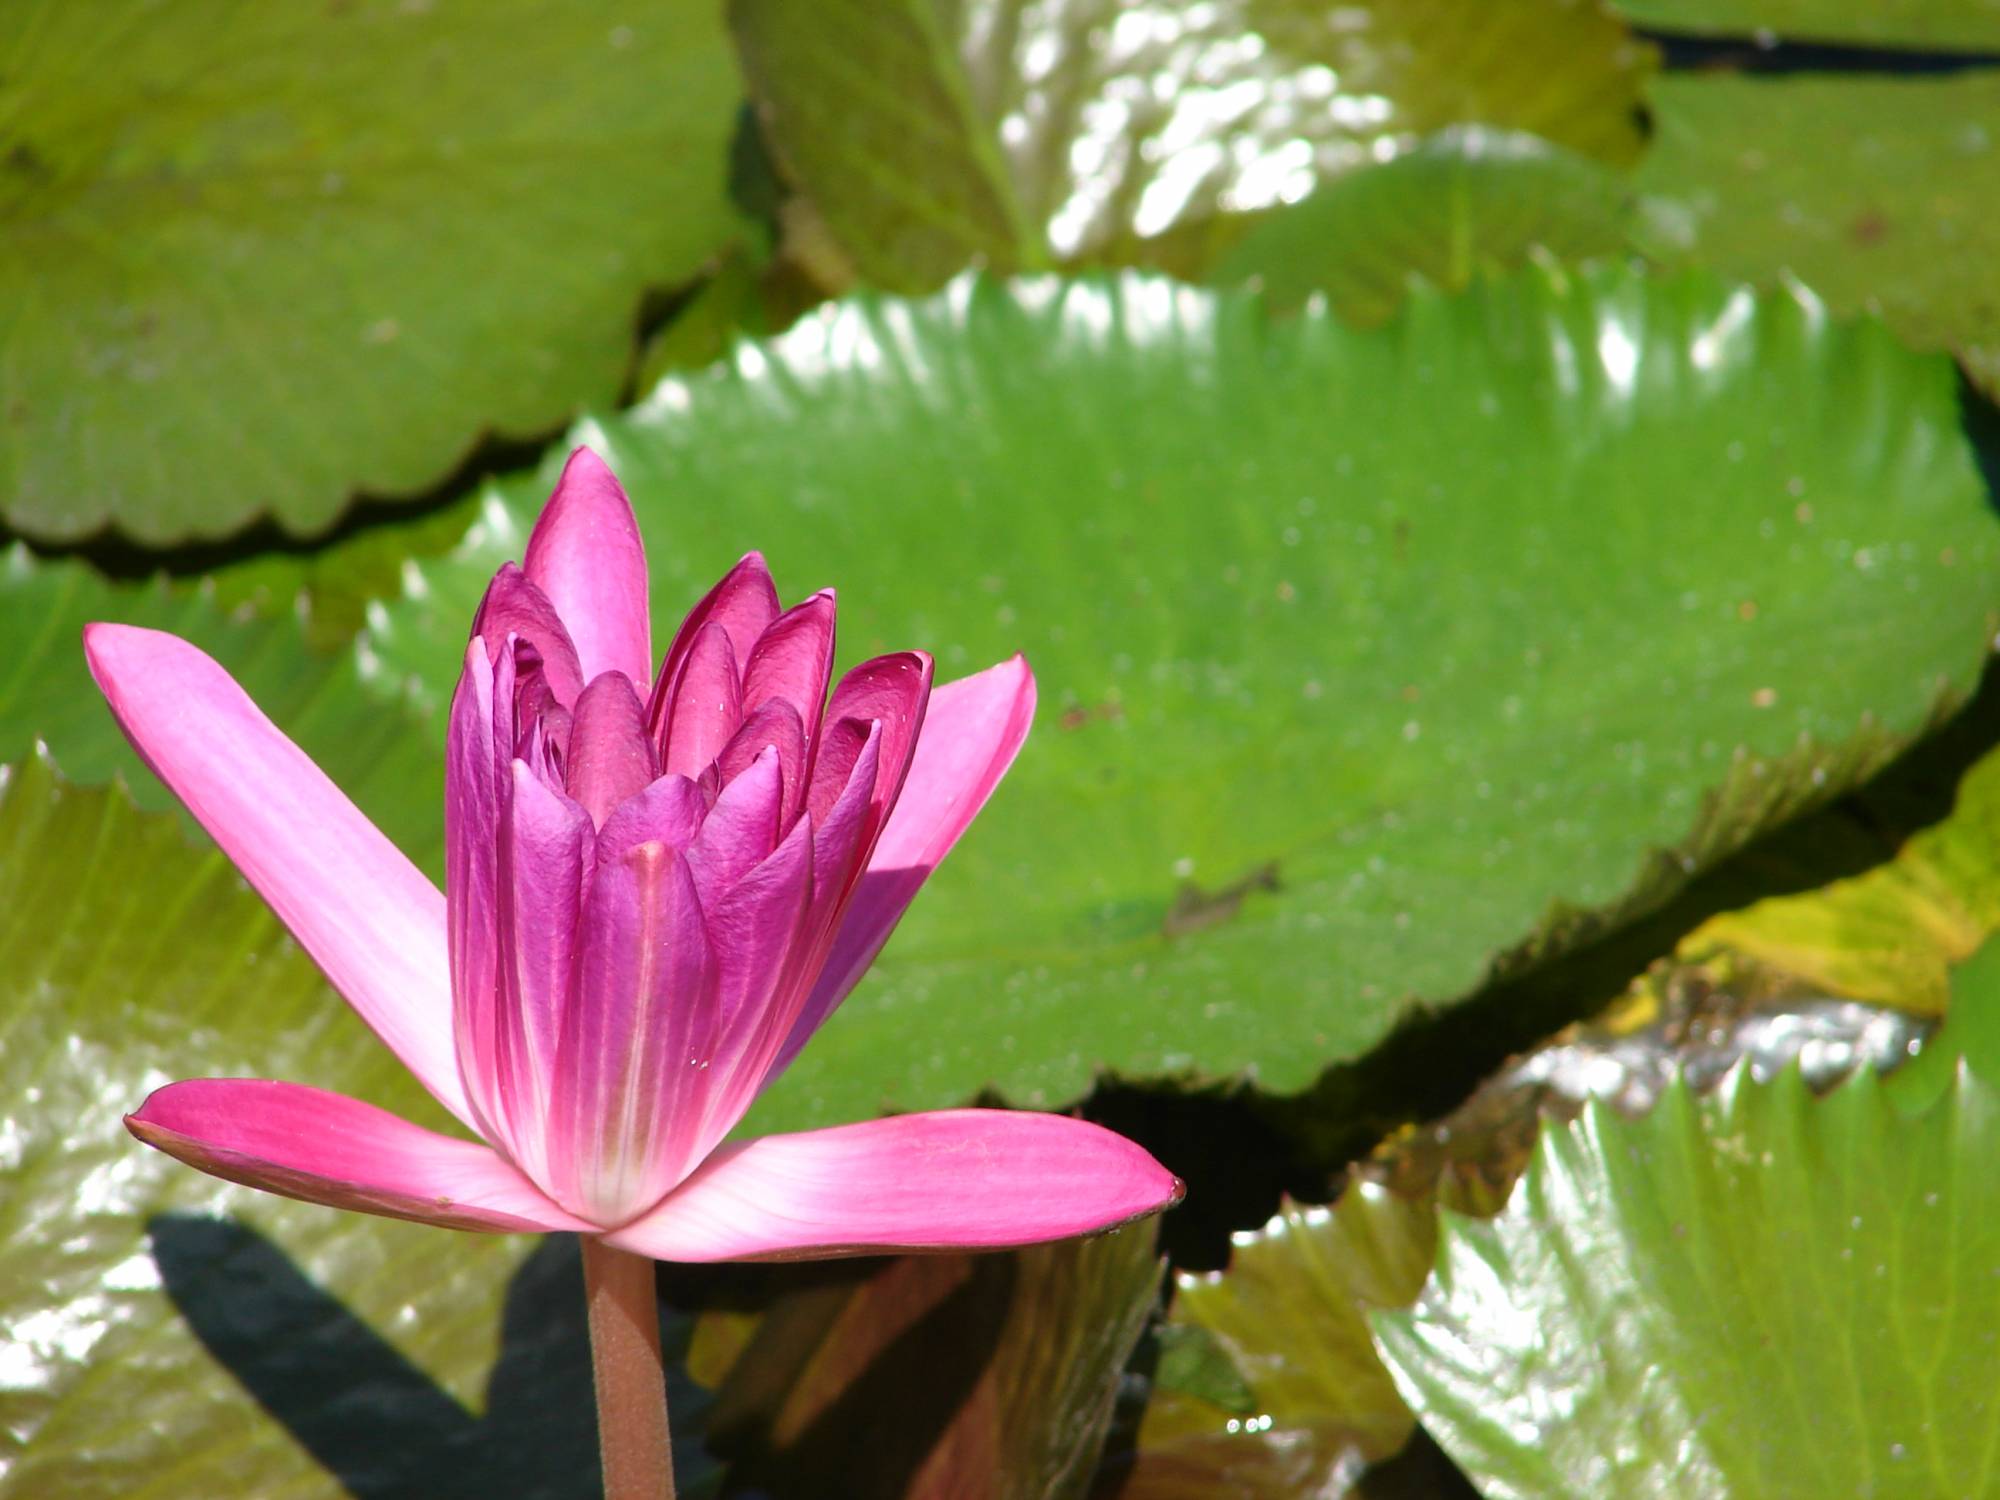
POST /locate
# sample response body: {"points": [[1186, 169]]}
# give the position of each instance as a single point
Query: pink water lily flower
{"points": [[658, 887]]}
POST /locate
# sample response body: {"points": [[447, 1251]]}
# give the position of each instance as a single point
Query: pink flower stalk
{"points": [[657, 889]]}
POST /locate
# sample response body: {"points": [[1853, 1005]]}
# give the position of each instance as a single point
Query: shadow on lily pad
{"points": [[382, 1427]]}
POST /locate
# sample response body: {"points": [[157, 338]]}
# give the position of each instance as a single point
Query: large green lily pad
{"points": [[169, 1334], [930, 137], [1923, 25], [1873, 191], [1371, 661], [1304, 1404], [1758, 1295], [249, 281]]}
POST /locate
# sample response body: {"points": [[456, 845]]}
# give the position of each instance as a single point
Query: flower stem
{"points": [[631, 1384]]}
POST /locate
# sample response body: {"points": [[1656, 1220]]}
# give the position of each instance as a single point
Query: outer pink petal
{"points": [[971, 732], [638, 1038], [475, 798], [368, 916], [963, 1179], [585, 554], [327, 1148]]}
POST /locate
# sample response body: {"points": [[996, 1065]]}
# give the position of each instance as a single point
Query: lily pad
{"points": [[1465, 200], [249, 281], [1372, 663], [984, 1377], [1873, 191], [1314, 1405], [1893, 933], [930, 137], [1922, 25], [169, 1333], [1762, 1294]]}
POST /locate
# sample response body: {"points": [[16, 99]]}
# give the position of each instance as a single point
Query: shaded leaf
{"points": [[1287, 1316], [169, 1333], [1873, 191], [1224, 544], [1891, 934], [1760, 1294], [1922, 25], [251, 280], [932, 136], [1464, 200], [938, 1375]]}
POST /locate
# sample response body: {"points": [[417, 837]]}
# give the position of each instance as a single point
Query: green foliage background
{"points": [[1499, 500]]}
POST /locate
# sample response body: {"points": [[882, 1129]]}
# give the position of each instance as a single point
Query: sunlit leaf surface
{"points": [[933, 136], [1763, 1294]]}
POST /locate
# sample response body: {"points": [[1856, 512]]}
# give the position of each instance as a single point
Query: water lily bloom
{"points": [[658, 887]]}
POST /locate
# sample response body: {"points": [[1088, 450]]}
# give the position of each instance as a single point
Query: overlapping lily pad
{"points": [[1919, 25], [251, 280], [930, 137], [949, 1377], [1873, 191], [168, 1333], [1311, 1405], [1371, 662], [1463, 201], [1812, 1278], [1891, 934]]}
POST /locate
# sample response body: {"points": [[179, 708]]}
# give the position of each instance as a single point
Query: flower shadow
{"points": [[377, 1423]]}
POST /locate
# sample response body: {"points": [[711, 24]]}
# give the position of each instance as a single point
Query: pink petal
{"points": [[326, 1148], [638, 1036], [585, 554], [704, 705], [966, 1179], [740, 831], [754, 930], [743, 603], [514, 606], [610, 753], [891, 690], [972, 729], [775, 726], [475, 796], [545, 857], [793, 660], [367, 916], [667, 812]]}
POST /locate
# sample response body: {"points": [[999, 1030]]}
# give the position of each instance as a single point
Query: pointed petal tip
{"points": [[586, 555], [320, 1147]]}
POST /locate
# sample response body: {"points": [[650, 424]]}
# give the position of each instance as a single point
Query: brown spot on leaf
{"points": [[1195, 908]]}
